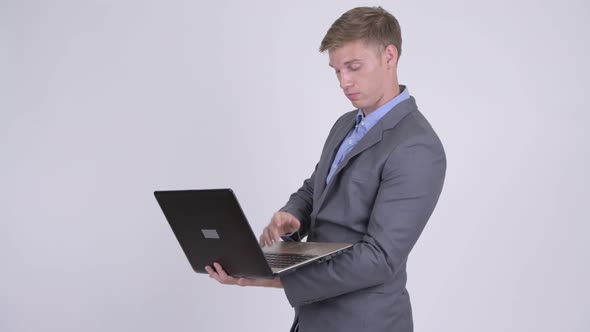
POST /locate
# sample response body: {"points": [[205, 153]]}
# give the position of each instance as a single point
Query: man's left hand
{"points": [[216, 272]]}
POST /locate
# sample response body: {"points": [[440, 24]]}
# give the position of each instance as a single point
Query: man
{"points": [[379, 177]]}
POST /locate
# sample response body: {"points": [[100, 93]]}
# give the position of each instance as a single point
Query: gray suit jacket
{"points": [[380, 199]]}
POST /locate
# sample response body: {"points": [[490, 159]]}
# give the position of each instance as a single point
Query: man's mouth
{"points": [[353, 96]]}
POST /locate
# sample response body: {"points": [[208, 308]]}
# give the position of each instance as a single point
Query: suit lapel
{"points": [[331, 150], [373, 136]]}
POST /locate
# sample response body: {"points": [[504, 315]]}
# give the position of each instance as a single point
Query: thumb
{"points": [[293, 224]]}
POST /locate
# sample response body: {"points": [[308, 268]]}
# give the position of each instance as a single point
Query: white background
{"points": [[103, 102]]}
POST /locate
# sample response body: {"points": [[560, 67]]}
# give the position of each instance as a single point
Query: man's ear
{"points": [[391, 55]]}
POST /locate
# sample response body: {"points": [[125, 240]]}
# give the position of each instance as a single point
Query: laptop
{"points": [[210, 226]]}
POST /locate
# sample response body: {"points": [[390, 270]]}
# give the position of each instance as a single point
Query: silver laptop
{"points": [[211, 227]]}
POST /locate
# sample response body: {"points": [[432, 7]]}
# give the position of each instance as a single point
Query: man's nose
{"points": [[345, 81]]}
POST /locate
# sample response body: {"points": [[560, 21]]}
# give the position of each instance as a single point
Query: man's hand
{"points": [[222, 277], [281, 223]]}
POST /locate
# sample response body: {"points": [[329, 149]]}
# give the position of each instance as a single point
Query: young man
{"points": [[379, 177]]}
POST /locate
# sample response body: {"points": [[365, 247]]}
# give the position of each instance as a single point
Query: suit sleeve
{"points": [[411, 182]]}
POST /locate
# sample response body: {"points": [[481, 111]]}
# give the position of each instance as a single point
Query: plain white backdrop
{"points": [[103, 102]]}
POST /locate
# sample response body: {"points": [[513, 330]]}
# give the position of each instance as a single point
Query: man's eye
{"points": [[354, 68]]}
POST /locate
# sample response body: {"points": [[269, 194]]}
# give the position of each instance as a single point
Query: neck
{"points": [[389, 95]]}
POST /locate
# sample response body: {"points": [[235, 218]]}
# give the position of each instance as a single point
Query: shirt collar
{"points": [[371, 119]]}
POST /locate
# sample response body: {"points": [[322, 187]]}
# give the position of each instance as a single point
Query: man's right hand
{"points": [[281, 223]]}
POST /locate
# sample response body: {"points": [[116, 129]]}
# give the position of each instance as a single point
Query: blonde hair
{"points": [[373, 25]]}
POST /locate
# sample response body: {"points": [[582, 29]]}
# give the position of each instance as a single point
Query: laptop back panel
{"points": [[211, 227]]}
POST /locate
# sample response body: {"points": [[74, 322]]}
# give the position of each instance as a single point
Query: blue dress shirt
{"points": [[363, 125]]}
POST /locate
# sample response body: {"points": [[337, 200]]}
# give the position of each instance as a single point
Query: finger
{"points": [[275, 227], [220, 270], [213, 274], [209, 270], [293, 225], [263, 237], [268, 236], [276, 236], [223, 276], [289, 224]]}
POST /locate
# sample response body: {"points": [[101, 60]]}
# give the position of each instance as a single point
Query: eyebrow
{"points": [[347, 62]]}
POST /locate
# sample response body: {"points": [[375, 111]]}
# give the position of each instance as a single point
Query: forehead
{"points": [[352, 51]]}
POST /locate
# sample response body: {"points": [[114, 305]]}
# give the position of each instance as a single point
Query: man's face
{"points": [[367, 76]]}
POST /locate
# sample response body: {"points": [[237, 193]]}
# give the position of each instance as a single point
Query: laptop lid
{"points": [[210, 226]]}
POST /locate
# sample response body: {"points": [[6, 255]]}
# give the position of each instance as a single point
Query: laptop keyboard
{"points": [[280, 261]]}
